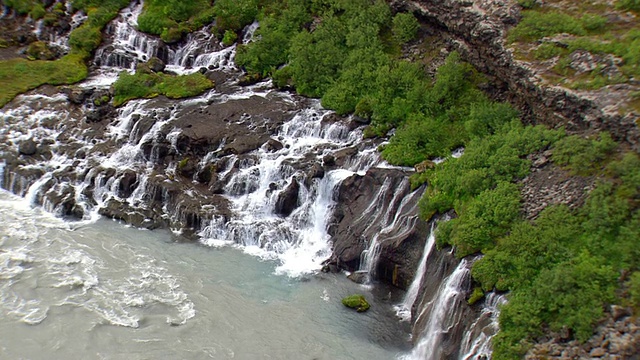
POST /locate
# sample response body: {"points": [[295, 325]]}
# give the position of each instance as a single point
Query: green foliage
{"points": [[229, 38], [633, 5], [634, 288], [562, 269], [483, 219], [405, 27], [476, 296], [22, 7], [275, 34], [144, 84], [583, 156], [37, 12], [172, 18], [486, 162], [234, 14]]}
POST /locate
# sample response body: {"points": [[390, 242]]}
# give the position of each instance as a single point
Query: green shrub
{"points": [[234, 14], [405, 27], [583, 156], [229, 38], [628, 5], [37, 12], [483, 219]]}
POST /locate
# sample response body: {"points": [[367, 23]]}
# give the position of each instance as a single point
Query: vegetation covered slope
{"points": [[582, 45], [562, 268], [20, 75]]}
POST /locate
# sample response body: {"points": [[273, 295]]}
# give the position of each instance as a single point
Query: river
{"points": [[101, 290]]}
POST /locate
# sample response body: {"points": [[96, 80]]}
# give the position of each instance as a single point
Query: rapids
{"points": [[101, 290]]}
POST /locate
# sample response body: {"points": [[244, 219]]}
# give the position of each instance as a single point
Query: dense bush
{"points": [[234, 14], [583, 156], [563, 268], [405, 27], [172, 18]]}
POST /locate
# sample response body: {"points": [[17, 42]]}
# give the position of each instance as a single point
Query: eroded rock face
{"points": [[379, 206]]}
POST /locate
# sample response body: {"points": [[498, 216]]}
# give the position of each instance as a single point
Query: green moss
{"points": [[357, 302], [476, 296]]}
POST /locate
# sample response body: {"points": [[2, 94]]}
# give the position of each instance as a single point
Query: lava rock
{"points": [[288, 199]]}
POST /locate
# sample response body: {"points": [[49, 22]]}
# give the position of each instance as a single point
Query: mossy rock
{"points": [[357, 302]]}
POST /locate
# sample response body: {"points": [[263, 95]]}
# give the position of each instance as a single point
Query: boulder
{"points": [[288, 199], [155, 64], [28, 147]]}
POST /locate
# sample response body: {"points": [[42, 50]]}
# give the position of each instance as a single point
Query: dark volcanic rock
{"points": [[367, 205], [28, 147], [288, 199]]}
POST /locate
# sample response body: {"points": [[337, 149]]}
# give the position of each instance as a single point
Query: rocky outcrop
{"points": [[616, 338], [477, 30], [379, 206]]}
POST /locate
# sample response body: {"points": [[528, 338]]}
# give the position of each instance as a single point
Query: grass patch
{"points": [[589, 32], [19, 75], [145, 84]]}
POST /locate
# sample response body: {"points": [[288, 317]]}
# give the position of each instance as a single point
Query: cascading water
{"points": [[403, 310], [477, 341], [443, 314], [275, 208]]}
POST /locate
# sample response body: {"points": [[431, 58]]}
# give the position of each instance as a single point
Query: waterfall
{"points": [[443, 314], [477, 341], [403, 310]]}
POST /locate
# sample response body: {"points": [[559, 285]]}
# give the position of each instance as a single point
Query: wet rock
{"points": [[288, 199], [359, 277], [205, 174], [28, 147], [77, 96], [187, 167], [127, 184], [273, 145]]}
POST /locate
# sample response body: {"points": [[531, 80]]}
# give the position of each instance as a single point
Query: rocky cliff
{"points": [[477, 29]]}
